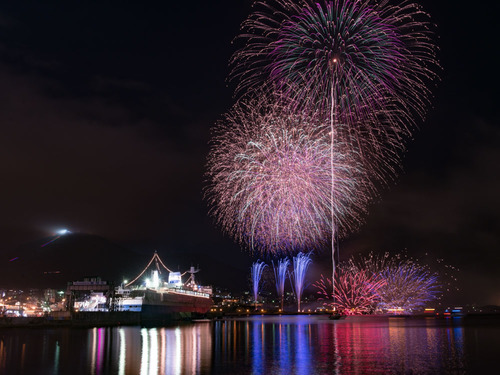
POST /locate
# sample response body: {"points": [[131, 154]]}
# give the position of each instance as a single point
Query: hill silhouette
{"points": [[45, 264]]}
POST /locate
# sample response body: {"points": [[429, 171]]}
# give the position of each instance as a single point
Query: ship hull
{"points": [[157, 302], [164, 308]]}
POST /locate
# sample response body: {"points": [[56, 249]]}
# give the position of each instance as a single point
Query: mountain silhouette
{"points": [[53, 262]]}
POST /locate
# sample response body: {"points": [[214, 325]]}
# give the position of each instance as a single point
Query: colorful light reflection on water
{"points": [[258, 345]]}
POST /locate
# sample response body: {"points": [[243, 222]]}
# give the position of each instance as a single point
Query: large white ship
{"points": [[151, 295]]}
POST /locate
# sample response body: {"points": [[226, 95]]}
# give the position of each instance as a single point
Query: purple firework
{"points": [[408, 284], [408, 287], [270, 182]]}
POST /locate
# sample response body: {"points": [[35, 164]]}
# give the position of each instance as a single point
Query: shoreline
{"points": [[119, 319]]}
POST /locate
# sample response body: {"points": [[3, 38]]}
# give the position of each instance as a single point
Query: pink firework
{"points": [[270, 183], [356, 290]]}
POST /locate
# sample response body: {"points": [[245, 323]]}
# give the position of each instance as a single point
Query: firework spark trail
{"points": [[270, 179], [256, 274], [301, 263], [447, 273], [365, 62], [280, 276]]}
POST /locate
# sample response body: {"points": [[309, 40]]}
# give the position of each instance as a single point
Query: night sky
{"points": [[106, 112]]}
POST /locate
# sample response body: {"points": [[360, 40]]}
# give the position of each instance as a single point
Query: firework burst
{"points": [[356, 56], [408, 284], [356, 291], [408, 287], [270, 182]]}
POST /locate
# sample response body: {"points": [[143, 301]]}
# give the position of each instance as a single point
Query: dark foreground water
{"points": [[261, 345]]}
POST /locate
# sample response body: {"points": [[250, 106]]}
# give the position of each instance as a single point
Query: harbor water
{"points": [[261, 345]]}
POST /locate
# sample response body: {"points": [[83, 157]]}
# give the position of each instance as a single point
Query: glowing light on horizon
{"points": [[58, 235]]}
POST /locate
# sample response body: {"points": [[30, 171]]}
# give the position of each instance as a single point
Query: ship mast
{"points": [[191, 281], [158, 262]]}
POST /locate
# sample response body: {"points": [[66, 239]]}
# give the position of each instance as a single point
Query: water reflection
{"points": [[146, 351], [168, 350], [123, 353], [278, 345], [305, 345], [268, 345]]}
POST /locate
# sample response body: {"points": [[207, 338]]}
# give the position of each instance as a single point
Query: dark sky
{"points": [[106, 111]]}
